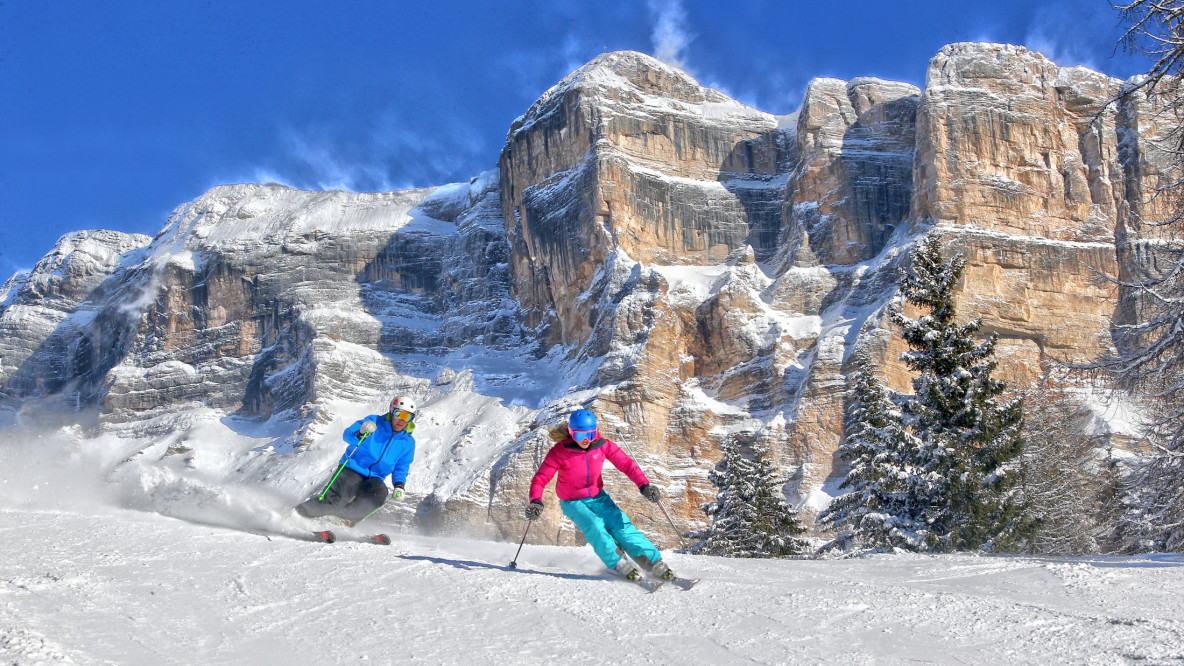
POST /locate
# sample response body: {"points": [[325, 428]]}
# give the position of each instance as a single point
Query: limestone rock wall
{"points": [[632, 154], [853, 184], [1021, 164]]}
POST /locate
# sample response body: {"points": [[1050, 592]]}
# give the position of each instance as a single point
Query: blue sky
{"points": [[113, 113]]}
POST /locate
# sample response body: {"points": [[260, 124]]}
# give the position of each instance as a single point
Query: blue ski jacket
{"points": [[383, 452]]}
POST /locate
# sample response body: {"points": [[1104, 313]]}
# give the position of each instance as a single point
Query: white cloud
{"points": [[532, 71], [777, 90], [575, 52], [670, 34]]}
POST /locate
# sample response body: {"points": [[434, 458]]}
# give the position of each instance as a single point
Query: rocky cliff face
{"points": [[852, 186], [45, 356], [691, 268], [1023, 164], [629, 154]]}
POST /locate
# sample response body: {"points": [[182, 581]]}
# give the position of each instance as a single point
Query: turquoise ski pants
{"points": [[604, 526]]}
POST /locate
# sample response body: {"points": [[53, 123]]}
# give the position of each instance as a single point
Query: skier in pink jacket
{"points": [[578, 459]]}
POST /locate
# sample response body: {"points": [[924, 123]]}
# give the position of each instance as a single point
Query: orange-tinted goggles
{"points": [[403, 416]]}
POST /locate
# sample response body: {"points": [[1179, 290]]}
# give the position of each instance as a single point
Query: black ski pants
{"points": [[352, 497]]}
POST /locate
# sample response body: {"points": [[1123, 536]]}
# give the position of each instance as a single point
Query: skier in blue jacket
{"points": [[379, 446]]}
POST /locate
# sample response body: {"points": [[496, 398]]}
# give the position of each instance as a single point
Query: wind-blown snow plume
{"points": [[62, 470], [670, 34], [50, 470], [333, 170], [1057, 32]]}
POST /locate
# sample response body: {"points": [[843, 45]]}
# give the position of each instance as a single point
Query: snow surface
{"points": [[85, 579]]}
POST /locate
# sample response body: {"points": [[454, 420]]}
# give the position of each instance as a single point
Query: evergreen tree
{"points": [[776, 530], [730, 512], [878, 511], [971, 440], [750, 517]]}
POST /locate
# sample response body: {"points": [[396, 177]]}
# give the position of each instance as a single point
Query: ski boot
{"points": [[626, 570], [660, 571], [657, 570]]}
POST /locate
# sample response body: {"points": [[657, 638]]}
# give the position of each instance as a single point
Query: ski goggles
{"points": [[582, 435], [402, 415]]}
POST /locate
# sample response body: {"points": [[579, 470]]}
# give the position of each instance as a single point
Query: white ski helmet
{"points": [[404, 404]]}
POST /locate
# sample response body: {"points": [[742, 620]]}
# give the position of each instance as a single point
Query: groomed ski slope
{"points": [[124, 587]]}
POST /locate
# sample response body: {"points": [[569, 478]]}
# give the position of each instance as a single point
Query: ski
{"points": [[683, 583], [317, 537], [380, 539], [325, 536], [648, 584], [328, 536]]}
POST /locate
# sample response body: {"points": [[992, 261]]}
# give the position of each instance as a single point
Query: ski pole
{"points": [[676, 530], [367, 515], [514, 562], [321, 497]]}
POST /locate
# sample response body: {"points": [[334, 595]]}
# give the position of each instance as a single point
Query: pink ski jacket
{"points": [[579, 469]]}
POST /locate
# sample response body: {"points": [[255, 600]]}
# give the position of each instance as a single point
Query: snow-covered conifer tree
{"points": [[1151, 498], [878, 511], [971, 440], [776, 531], [750, 517], [730, 511]]}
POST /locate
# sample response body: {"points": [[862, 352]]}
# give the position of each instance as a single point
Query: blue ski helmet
{"points": [[582, 425]]}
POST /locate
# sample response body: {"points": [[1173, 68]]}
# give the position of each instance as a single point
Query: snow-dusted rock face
{"points": [[43, 314], [1025, 167], [689, 267], [240, 284], [853, 184], [629, 153], [272, 302]]}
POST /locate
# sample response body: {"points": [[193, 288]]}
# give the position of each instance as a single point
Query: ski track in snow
{"points": [[123, 587]]}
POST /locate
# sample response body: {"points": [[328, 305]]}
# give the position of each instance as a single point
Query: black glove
{"points": [[650, 492], [534, 510]]}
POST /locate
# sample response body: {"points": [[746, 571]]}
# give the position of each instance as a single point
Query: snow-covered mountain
{"points": [[691, 268]]}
